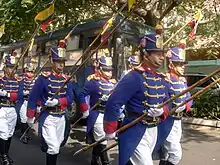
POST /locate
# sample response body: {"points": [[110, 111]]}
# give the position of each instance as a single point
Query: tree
{"points": [[19, 17]]}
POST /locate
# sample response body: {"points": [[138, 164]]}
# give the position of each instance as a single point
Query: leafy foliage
{"points": [[19, 17], [207, 106]]}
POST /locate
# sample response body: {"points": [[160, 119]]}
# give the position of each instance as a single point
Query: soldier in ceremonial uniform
{"points": [[11, 92], [141, 91], [28, 84], [170, 130], [98, 87], [52, 123], [133, 61]]}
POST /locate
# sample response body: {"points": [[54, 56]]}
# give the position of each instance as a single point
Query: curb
{"points": [[201, 122]]}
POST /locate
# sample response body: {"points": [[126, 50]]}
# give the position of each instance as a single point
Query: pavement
{"points": [[201, 146]]}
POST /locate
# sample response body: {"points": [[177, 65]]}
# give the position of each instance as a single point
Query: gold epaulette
{"points": [[93, 77], [113, 81], [18, 78], [167, 77], [45, 74]]}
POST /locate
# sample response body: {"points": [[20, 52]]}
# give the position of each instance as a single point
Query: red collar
{"points": [[100, 75], [172, 74], [29, 78], [147, 68], [56, 75]]}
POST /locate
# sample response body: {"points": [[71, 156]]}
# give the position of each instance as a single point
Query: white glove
{"points": [[3, 92], [30, 122], [85, 114], [180, 109], [122, 109], [105, 97], [110, 136], [155, 112], [26, 92], [52, 103], [122, 116], [38, 109]]}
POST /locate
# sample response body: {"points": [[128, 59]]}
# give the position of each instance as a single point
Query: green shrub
{"points": [[206, 106]]}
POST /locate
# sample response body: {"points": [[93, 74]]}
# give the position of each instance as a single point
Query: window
{"points": [[73, 43]]}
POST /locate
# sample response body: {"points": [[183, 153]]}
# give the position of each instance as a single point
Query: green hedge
{"points": [[206, 106]]}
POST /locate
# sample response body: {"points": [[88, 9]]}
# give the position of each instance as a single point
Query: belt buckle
{"points": [[154, 121], [6, 103], [55, 111], [178, 115]]}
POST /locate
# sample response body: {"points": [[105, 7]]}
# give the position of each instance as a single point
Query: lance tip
{"points": [[77, 152]]}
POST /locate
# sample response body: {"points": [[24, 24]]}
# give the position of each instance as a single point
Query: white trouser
{"points": [[143, 153], [8, 119], [23, 112], [172, 146], [53, 133], [98, 130]]}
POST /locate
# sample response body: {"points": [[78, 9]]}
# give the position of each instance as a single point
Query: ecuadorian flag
{"points": [[106, 29], [2, 29], [130, 4], [45, 17]]}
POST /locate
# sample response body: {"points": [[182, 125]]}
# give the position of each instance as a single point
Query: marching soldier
{"points": [[133, 61], [28, 79], [171, 129], [52, 122], [11, 92], [98, 87], [141, 91]]}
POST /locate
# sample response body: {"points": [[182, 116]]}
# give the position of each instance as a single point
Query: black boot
{"points": [[25, 138], [51, 159], [95, 160], [104, 155], [4, 157], [129, 163], [7, 147], [168, 163], [4, 160], [163, 162], [95, 156]]}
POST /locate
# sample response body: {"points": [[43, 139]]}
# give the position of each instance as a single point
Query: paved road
{"points": [[200, 147]]}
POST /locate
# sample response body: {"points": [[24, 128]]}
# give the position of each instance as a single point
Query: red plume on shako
{"points": [[182, 44], [62, 44]]}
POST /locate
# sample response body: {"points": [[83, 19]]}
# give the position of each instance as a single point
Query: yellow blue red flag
{"points": [[2, 29], [106, 27], [45, 17], [130, 4], [194, 24]]}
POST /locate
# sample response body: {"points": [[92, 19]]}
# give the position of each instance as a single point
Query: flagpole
{"points": [[182, 27], [44, 64], [25, 50]]}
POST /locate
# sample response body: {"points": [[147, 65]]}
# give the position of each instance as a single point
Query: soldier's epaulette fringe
{"points": [[113, 81], [167, 77], [18, 78], [45, 74], [93, 77]]}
